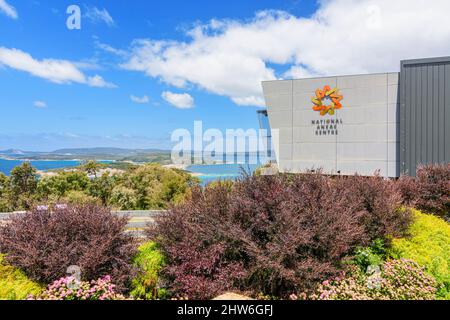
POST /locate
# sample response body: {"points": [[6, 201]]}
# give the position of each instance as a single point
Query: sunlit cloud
{"points": [[179, 100], [53, 70], [231, 57]]}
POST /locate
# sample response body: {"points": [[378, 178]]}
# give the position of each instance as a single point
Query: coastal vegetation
{"points": [[137, 187]]}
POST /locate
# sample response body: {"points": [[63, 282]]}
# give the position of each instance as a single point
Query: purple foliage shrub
{"points": [[429, 191], [44, 243], [380, 201], [433, 189], [272, 234]]}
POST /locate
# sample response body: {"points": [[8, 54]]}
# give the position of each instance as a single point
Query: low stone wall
{"points": [[139, 219]]}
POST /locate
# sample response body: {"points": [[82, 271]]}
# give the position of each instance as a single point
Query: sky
{"points": [[137, 70]]}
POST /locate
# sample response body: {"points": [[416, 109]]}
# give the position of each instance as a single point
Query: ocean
{"points": [[7, 165], [206, 173], [214, 172]]}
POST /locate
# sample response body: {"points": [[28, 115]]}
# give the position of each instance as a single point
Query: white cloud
{"points": [[231, 58], [96, 15], [8, 9], [57, 71], [297, 72], [140, 100], [40, 104], [99, 82], [107, 48], [179, 100]]}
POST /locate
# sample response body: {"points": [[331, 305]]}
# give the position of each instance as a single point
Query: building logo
{"points": [[327, 101]]}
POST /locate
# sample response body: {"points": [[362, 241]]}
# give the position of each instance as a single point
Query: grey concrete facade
{"points": [[362, 136]]}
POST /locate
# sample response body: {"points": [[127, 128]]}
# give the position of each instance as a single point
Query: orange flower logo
{"points": [[327, 94]]}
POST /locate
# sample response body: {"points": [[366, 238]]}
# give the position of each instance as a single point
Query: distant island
{"points": [[83, 154]]}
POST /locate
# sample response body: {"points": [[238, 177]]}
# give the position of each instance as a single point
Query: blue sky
{"points": [[95, 113], [137, 70]]}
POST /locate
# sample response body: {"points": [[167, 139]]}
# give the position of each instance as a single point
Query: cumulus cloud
{"points": [[99, 82], [8, 9], [179, 100], [54, 70], [140, 100], [231, 58], [96, 15], [40, 104]]}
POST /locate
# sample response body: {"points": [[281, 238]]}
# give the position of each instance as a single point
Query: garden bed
{"points": [[266, 237]]}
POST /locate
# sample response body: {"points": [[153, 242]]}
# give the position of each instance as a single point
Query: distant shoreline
{"points": [[176, 166], [183, 167], [62, 160]]}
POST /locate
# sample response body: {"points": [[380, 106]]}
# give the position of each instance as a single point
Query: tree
{"points": [[56, 187], [79, 198], [91, 167], [156, 187], [142, 187], [4, 193], [123, 198], [101, 188], [23, 183]]}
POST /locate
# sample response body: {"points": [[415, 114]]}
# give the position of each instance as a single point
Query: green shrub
{"points": [[149, 260], [369, 256], [59, 185], [124, 198], [14, 284], [154, 187], [5, 205], [428, 245], [79, 197]]}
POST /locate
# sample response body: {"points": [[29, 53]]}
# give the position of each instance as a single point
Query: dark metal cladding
{"points": [[424, 113]]}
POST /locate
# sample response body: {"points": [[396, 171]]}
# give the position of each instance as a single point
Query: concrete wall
{"points": [[367, 132]]}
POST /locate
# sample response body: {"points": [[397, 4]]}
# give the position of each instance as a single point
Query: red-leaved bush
{"points": [[44, 243], [429, 190], [273, 234], [380, 201]]}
